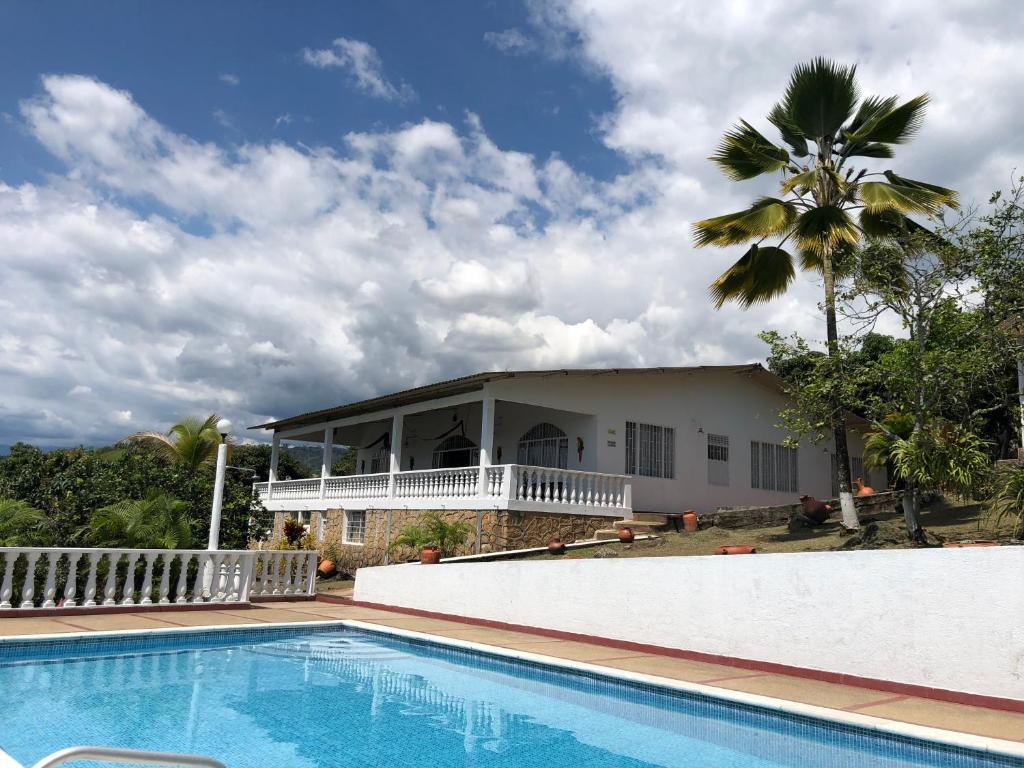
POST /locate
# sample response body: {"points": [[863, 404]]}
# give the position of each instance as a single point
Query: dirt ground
{"points": [[942, 521]]}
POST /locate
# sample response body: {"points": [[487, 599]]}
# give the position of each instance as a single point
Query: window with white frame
{"points": [[355, 527], [650, 450], [718, 459], [311, 521], [773, 467]]}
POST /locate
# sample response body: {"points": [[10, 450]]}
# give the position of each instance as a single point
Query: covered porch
{"points": [[461, 452]]}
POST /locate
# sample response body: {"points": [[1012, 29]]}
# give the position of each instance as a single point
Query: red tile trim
{"points": [[890, 700], [886, 686], [732, 677]]}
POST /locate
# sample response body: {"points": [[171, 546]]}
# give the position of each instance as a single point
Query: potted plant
{"points": [[434, 537], [328, 565]]}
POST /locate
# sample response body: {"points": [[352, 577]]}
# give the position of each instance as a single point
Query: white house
{"points": [[591, 444]]}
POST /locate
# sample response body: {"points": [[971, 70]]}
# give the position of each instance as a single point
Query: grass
{"points": [[942, 520]]}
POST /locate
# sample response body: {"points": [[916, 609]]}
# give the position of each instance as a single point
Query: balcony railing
{"points": [[503, 486], [57, 579]]}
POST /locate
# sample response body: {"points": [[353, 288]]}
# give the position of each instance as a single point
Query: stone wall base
{"points": [[499, 531]]}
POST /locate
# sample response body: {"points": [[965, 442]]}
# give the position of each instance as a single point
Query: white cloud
{"points": [[363, 65], [421, 252], [512, 41], [229, 79]]}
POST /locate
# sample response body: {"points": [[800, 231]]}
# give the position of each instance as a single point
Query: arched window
{"points": [[545, 445], [456, 451]]}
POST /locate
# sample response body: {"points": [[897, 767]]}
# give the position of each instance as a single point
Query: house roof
{"points": [[477, 380]]}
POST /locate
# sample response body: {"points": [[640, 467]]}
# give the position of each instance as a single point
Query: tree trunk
{"points": [[850, 521], [912, 514]]}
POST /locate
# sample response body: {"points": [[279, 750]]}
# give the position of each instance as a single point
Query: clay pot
{"points": [[556, 547], [430, 556], [690, 523], [626, 535], [863, 490], [735, 549], [816, 510], [326, 568]]}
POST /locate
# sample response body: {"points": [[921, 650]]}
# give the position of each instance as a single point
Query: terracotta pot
{"points": [[556, 547], [863, 490], [735, 549], [626, 535], [814, 509], [430, 556], [690, 523], [326, 568]]}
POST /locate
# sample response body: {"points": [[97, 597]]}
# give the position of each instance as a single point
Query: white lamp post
{"points": [[224, 427]]}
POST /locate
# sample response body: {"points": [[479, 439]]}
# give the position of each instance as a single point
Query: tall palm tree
{"points": [[21, 525], [191, 443], [157, 522], [821, 189]]}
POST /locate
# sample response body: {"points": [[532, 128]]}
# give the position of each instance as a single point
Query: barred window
{"points": [[355, 527], [773, 467], [650, 450], [718, 459]]}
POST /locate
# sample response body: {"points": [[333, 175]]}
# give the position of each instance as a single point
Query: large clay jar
{"points": [[863, 490], [556, 547], [736, 549], [690, 522], [626, 535], [326, 568], [430, 556]]}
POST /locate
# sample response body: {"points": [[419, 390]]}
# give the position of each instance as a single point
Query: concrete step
{"points": [[639, 526], [604, 534], [650, 517]]}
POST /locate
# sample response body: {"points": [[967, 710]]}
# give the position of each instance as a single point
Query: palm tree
{"points": [[191, 443], [20, 524], [821, 188], [157, 522]]}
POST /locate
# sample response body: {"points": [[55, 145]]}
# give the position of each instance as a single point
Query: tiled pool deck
{"points": [[907, 709]]}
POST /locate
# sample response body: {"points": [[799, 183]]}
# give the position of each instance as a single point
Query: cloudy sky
{"points": [[260, 209]]}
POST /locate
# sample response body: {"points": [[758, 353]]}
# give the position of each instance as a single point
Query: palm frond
{"points": [[820, 98], [824, 228], [868, 149], [21, 525], [904, 196], [766, 217], [887, 224], [891, 126], [744, 153], [869, 110], [761, 274], [805, 180], [790, 133]]}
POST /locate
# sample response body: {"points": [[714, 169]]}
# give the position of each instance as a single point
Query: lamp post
{"points": [[224, 427]]}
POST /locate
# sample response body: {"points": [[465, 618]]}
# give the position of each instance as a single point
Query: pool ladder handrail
{"points": [[127, 757]]}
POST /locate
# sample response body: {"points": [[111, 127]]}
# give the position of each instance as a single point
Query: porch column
{"points": [[396, 451], [275, 450], [327, 460], [486, 442]]}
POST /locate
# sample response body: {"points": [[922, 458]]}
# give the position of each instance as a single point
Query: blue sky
{"points": [[259, 209], [171, 56]]}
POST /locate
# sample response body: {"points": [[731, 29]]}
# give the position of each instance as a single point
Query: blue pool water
{"points": [[311, 698]]}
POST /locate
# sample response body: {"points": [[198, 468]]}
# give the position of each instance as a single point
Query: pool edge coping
{"points": [[942, 736]]}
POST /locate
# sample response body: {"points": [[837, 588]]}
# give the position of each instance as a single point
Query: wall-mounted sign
{"points": [[611, 443]]}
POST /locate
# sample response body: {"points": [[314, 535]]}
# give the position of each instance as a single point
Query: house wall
{"points": [[928, 617], [500, 531], [694, 404]]}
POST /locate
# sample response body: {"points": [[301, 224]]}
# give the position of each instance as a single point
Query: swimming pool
{"points": [[311, 697]]}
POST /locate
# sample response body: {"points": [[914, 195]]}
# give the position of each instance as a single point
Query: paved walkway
{"points": [[909, 709]]}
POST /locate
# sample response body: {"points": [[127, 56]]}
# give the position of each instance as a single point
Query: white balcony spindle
{"points": [[163, 598], [182, 589], [50, 589], [28, 589], [90, 583], [7, 585], [71, 585]]}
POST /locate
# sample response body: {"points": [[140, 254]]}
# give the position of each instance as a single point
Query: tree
{"points": [[820, 189], [21, 525], [191, 443], [158, 521]]}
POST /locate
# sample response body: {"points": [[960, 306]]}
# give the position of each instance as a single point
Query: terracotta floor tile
{"points": [[954, 717], [803, 690], [112, 621], [490, 636], [29, 626], [567, 649], [677, 669], [418, 624]]}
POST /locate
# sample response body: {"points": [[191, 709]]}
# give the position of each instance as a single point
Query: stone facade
{"points": [[500, 530]]}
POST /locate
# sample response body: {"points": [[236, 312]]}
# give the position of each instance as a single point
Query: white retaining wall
{"points": [[944, 618]]}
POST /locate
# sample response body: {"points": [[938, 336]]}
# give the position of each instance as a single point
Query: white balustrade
{"points": [[31, 578], [532, 487]]}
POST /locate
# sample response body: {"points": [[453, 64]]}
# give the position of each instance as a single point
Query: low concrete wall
{"points": [[744, 517], [950, 619]]}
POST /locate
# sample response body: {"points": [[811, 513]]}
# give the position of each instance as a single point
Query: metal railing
{"points": [[74, 578], [127, 757]]}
